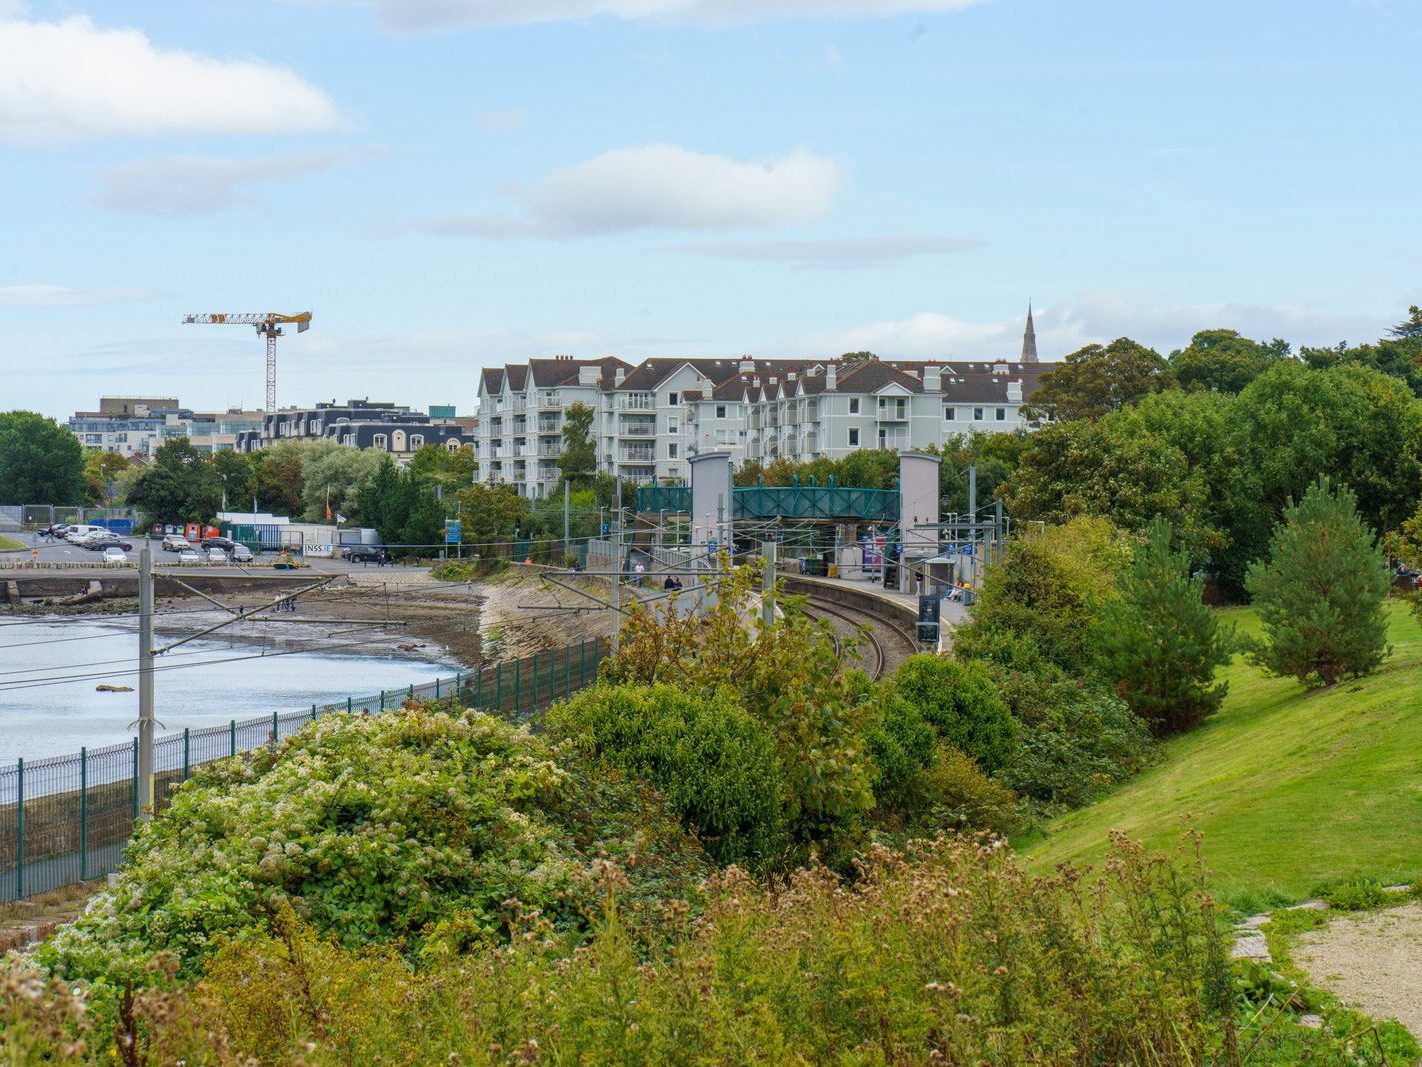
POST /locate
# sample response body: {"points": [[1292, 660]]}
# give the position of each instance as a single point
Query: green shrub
{"points": [[468, 570], [961, 703], [902, 744], [379, 829], [1075, 737], [953, 793], [948, 954], [716, 764], [1356, 894]]}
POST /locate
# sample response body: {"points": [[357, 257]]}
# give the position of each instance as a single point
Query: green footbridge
{"points": [[794, 501]]}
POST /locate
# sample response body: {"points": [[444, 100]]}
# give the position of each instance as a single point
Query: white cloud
{"points": [[502, 121], [830, 253], [424, 16], [659, 187], [57, 296], [667, 187], [1092, 317], [177, 186], [72, 79]]}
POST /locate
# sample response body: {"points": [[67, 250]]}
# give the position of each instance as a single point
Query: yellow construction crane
{"points": [[269, 325]]}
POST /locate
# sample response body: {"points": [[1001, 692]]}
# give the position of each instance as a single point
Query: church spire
{"points": [[1029, 339]]}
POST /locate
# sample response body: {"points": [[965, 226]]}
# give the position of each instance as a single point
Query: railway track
{"points": [[882, 645]]}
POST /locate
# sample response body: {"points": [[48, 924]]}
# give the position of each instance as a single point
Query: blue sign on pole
{"points": [[453, 531], [968, 549], [606, 529]]}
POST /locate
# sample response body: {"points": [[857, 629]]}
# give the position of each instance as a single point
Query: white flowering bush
{"points": [[424, 828]]}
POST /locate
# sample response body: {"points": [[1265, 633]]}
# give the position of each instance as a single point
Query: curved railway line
{"points": [[884, 646]]}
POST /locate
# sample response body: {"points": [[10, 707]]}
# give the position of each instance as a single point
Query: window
{"points": [[380, 441], [452, 444], [417, 441], [1001, 414], [977, 414], [671, 451], [671, 426], [854, 405], [720, 411], [950, 414], [853, 436], [672, 398]]}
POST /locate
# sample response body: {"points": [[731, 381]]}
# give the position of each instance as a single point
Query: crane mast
{"points": [[268, 324]]}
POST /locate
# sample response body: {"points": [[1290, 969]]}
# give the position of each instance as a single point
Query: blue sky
{"points": [[450, 184]]}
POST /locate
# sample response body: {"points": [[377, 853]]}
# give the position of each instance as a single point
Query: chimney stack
{"points": [[932, 379], [831, 370]]}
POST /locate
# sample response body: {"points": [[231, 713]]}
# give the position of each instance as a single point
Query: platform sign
{"points": [[968, 549], [606, 529], [453, 531]]}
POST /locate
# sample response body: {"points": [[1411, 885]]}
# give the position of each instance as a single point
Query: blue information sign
{"points": [[453, 531]]}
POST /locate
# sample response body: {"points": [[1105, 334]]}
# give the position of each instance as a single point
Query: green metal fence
{"points": [[808, 501], [66, 819]]}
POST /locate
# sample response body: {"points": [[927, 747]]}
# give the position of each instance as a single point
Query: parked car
{"points": [[216, 555], [224, 543], [175, 543], [115, 554], [99, 542], [75, 534], [241, 554], [188, 555], [365, 554]]}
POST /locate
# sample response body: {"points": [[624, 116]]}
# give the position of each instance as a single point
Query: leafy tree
{"points": [[278, 477], [1411, 326], [490, 513], [578, 460], [40, 461], [1222, 361], [438, 465], [336, 473], [959, 701], [102, 472], [401, 507], [1097, 379], [1400, 358], [1159, 643], [1322, 594], [857, 357], [1041, 603], [1356, 425], [179, 486], [236, 475]]}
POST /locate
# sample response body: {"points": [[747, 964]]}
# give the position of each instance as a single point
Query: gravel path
{"points": [[1371, 961]]}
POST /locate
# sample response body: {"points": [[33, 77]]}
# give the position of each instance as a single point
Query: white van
{"points": [[75, 534]]}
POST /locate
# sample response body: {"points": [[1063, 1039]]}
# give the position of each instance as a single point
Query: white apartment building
{"points": [[137, 426], [652, 416]]}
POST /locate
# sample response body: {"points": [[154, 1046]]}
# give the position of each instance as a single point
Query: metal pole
{"points": [[616, 597], [20, 830], [83, 814], [567, 545], [145, 678], [767, 588], [973, 528]]}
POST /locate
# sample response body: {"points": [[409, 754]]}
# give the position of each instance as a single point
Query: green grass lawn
{"points": [[9, 544], [1290, 787]]}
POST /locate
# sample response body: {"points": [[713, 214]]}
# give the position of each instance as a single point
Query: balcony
{"points": [[892, 413], [636, 403], [792, 418], [546, 449], [638, 429], [550, 426], [639, 455], [519, 405]]}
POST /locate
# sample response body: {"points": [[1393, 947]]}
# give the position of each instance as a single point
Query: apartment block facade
{"points": [[138, 426], [393, 428], [652, 416]]}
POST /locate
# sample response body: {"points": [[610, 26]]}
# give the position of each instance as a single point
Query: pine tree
{"points": [[1159, 642], [1322, 593]]}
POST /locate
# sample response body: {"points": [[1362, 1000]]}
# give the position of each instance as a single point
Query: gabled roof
{"points": [[550, 373]]}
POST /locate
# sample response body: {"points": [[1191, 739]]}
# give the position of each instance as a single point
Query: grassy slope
{"points": [[1290, 787], [9, 544]]}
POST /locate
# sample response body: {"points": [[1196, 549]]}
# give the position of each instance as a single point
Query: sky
{"points": [[453, 184]]}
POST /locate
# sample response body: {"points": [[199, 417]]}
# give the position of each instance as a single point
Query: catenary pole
{"points": [[767, 595], [145, 678]]}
